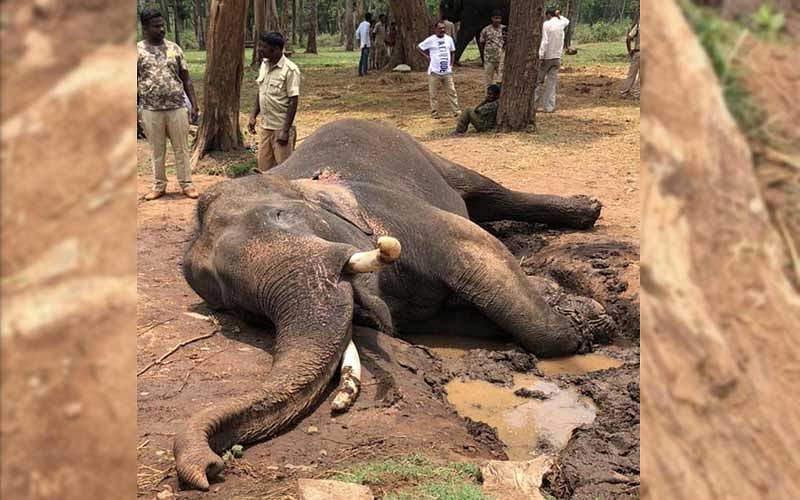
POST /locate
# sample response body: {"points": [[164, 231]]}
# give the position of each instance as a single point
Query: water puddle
{"points": [[522, 423], [577, 365]]}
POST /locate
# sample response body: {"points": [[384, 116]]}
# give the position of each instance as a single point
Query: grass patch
{"points": [[599, 53], [240, 169], [721, 39], [417, 477], [602, 31]]}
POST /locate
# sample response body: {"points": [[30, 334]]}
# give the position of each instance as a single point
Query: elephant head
{"points": [[451, 10], [287, 251]]}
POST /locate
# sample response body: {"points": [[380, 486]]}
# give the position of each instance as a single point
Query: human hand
{"points": [[251, 125], [194, 114], [283, 137]]}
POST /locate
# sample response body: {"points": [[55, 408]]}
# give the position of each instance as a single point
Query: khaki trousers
{"points": [[446, 81], [172, 124], [270, 153], [633, 72], [493, 71], [548, 75]]}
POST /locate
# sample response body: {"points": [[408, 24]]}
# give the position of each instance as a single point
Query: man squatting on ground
{"points": [[363, 37], [492, 43], [278, 93], [550, 52], [162, 77], [484, 116], [439, 49]]}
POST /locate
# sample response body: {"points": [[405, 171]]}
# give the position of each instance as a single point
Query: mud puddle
{"points": [[577, 365], [453, 346], [523, 424]]}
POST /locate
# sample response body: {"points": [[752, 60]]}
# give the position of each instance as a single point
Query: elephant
{"points": [[474, 15], [362, 224]]}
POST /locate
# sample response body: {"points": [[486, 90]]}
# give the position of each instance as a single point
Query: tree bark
{"points": [[349, 29], [522, 53], [413, 26], [300, 20], [719, 316], [311, 48], [259, 23], [219, 124]]}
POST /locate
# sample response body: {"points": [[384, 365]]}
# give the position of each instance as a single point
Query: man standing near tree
{"points": [[363, 37], [162, 77], [550, 52], [440, 49], [278, 94], [633, 53], [492, 46]]}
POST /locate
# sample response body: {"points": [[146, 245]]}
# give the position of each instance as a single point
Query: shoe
{"points": [[153, 195], [435, 116], [456, 114], [191, 192]]}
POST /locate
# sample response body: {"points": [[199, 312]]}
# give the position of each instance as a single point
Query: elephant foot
{"points": [[587, 316], [351, 380]]}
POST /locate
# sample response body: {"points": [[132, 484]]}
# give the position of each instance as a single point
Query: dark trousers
{"points": [[363, 64]]}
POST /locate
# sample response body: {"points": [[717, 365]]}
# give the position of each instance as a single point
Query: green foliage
{"points": [[721, 39], [768, 23], [239, 170], [417, 477], [602, 31]]}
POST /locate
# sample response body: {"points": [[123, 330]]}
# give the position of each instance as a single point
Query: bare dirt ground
{"points": [[589, 146]]}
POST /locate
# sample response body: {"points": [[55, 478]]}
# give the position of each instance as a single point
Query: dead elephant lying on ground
{"points": [[298, 246]]}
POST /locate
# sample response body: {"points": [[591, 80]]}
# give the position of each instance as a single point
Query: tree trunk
{"points": [[259, 23], [571, 14], [294, 22], [300, 20], [199, 24], [311, 48], [349, 29], [178, 23], [219, 124], [522, 53], [720, 318], [359, 10], [165, 14], [413, 26]]}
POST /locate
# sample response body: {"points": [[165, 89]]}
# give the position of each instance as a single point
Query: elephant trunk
{"points": [[312, 334]]}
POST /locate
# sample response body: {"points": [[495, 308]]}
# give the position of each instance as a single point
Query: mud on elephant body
{"points": [[291, 246]]}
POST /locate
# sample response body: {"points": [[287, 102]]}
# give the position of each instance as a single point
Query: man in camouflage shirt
{"points": [[484, 116], [492, 45], [162, 77]]}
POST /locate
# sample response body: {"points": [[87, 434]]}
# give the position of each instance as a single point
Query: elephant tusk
{"points": [[387, 252], [351, 380]]}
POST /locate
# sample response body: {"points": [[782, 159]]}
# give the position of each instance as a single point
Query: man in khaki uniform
{"points": [[278, 94], [491, 44], [633, 70], [162, 77]]}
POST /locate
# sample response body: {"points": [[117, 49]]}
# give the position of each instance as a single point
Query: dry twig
{"points": [[154, 325], [172, 351]]}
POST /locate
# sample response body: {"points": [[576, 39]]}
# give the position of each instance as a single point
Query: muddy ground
{"points": [[590, 146]]}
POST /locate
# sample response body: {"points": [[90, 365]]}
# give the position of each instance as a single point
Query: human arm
{"points": [[293, 92], [283, 136], [183, 74], [423, 49], [251, 125], [543, 45]]}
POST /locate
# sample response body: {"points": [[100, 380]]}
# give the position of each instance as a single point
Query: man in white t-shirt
{"points": [[363, 37], [550, 51], [439, 49]]}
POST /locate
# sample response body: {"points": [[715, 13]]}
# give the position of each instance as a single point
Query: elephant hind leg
{"points": [[488, 201]]}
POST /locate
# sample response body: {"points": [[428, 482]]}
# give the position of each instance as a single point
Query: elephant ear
{"points": [[336, 199]]}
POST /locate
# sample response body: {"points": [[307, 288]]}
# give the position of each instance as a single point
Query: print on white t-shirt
{"points": [[439, 50]]}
